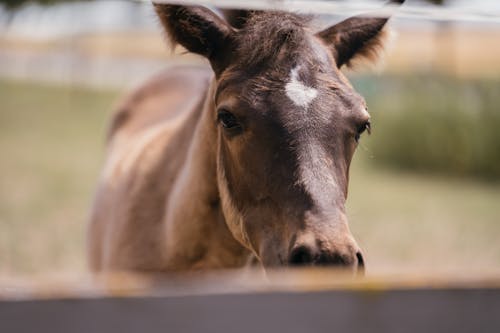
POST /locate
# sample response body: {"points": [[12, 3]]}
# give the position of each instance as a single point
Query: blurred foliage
{"points": [[432, 123]]}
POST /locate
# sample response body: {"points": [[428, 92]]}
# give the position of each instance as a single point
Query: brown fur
{"points": [[183, 190], [367, 37]]}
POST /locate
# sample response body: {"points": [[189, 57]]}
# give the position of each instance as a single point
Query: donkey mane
{"points": [[267, 34]]}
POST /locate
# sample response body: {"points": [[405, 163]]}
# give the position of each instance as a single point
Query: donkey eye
{"points": [[227, 119], [366, 127]]}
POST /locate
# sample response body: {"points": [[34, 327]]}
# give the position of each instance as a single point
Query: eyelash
{"points": [[361, 129]]}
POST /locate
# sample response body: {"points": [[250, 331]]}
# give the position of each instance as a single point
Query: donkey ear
{"points": [[199, 30], [238, 17], [357, 38]]}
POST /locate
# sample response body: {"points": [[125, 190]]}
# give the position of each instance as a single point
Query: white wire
{"points": [[429, 12]]}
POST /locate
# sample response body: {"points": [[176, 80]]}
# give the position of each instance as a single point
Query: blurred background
{"points": [[425, 186]]}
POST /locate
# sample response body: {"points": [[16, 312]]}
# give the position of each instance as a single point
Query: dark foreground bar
{"points": [[403, 310]]}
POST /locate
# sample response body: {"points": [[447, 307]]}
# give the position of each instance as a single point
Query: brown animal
{"points": [[211, 168]]}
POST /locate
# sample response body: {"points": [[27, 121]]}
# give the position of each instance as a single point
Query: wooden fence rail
{"points": [[308, 301]]}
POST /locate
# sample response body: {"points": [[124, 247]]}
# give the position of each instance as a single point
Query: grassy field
{"points": [[51, 140], [434, 123]]}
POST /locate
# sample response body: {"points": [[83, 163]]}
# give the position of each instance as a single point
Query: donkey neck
{"points": [[196, 235]]}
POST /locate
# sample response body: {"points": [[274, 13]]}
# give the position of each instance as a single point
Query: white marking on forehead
{"points": [[298, 92]]}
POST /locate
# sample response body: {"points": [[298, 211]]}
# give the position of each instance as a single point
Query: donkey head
{"points": [[287, 125]]}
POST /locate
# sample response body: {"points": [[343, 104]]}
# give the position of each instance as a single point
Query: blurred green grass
{"points": [[421, 223], [52, 140], [436, 124]]}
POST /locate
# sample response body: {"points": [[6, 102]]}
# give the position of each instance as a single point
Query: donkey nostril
{"points": [[361, 263], [301, 256]]}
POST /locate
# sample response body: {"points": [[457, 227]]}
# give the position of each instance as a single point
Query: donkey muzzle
{"points": [[313, 255]]}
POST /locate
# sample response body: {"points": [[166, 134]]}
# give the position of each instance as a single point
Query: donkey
{"points": [[246, 161]]}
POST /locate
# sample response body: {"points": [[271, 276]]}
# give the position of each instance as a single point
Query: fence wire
{"points": [[348, 8]]}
